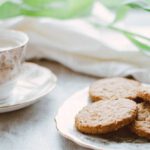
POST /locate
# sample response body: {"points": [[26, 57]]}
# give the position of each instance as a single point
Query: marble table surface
{"points": [[33, 128]]}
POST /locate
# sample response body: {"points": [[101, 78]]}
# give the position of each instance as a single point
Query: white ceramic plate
{"points": [[122, 140], [34, 82]]}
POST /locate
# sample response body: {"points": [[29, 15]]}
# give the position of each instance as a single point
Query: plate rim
{"points": [[69, 136]]}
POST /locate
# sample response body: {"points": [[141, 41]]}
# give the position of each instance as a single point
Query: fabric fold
{"points": [[79, 46]]}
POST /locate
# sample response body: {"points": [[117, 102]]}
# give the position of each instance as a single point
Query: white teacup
{"points": [[12, 53]]}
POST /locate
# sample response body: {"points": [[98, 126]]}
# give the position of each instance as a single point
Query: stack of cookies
{"points": [[115, 106]]}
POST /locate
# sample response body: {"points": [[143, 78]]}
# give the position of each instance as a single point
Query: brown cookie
{"points": [[114, 88], [144, 93], [105, 116], [141, 126]]}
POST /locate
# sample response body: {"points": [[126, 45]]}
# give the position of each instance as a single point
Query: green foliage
{"points": [[142, 46], [139, 4], [112, 4], [121, 7], [9, 9], [66, 9], [37, 3], [61, 9], [121, 13]]}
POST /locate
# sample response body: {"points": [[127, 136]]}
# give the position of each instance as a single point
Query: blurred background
{"points": [[88, 36]]}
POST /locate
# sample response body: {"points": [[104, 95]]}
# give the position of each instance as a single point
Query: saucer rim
{"points": [[33, 100]]}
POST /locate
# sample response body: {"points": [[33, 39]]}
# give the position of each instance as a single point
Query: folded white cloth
{"points": [[81, 47]]}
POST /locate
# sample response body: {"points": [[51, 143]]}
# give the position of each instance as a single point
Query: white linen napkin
{"points": [[81, 47]]}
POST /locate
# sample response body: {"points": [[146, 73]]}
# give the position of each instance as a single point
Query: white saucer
{"points": [[122, 140], [34, 82]]}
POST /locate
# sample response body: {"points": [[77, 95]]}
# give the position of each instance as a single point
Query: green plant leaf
{"points": [[73, 8], [139, 4], [9, 9], [37, 3], [121, 13], [61, 9], [79, 8], [142, 46], [113, 4]]}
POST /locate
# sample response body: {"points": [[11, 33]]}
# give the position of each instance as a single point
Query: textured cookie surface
{"points": [[144, 92], [105, 116], [141, 126], [114, 88]]}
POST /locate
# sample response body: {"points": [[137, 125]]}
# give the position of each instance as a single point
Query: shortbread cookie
{"points": [[141, 126], [144, 93], [114, 88], [105, 116]]}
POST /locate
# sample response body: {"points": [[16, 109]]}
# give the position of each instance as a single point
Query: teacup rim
{"points": [[22, 34]]}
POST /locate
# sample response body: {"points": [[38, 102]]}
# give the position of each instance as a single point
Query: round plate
{"points": [[120, 140], [34, 82]]}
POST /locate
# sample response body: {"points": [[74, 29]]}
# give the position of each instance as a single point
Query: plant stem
{"points": [[112, 27], [128, 32]]}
